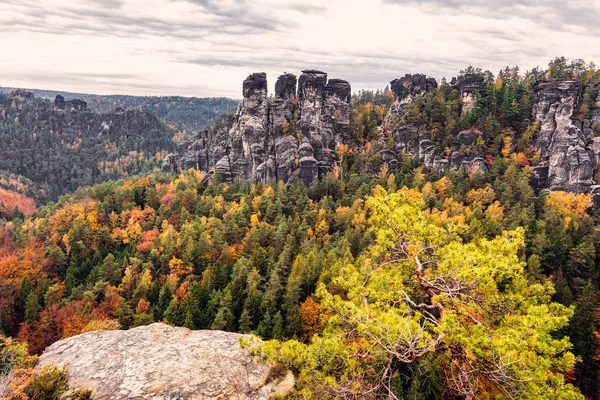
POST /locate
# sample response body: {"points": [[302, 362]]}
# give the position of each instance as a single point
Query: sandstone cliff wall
{"points": [[291, 138]]}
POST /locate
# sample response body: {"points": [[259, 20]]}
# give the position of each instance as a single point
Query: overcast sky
{"points": [[207, 47]]}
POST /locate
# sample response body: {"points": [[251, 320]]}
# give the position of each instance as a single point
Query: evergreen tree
{"points": [[583, 327], [24, 292], [123, 313], [32, 307]]}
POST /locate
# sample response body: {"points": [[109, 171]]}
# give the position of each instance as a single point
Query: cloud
{"points": [[119, 18], [556, 14], [207, 47]]}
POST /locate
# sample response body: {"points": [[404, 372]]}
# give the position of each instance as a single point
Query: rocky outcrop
{"points": [[469, 87], [409, 86], [292, 138], [411, 140], [74, 105], [567, 153], [569, 150], [163, 362]]}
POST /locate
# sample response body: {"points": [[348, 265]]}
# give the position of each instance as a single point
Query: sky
{"points": [[207, 47]]}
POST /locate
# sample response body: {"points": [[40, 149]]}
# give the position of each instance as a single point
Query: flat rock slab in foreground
{"points": [[163, 362]]}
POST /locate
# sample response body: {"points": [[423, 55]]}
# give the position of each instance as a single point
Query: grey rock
{"points": [[305, 150], [390, 158], [286, 155], [339, 88], [566, 162], [469, 87], [405, 89], [336, 112], [311, 84], [285, 106], [478, 165], [311, 90], [170, 163], [595, 191], [75, 104], [466, 138], [59, 102], [427, 153], [223, 167], [309, 171], [163, 362], [259, 142], [254, 84], [285, 87], [440, 164]]}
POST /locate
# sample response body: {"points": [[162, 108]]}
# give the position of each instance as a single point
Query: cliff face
{"points": [[568, 153], [291, 138]]}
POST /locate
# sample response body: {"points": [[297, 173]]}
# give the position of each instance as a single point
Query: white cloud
{"points": [[207, 47]]}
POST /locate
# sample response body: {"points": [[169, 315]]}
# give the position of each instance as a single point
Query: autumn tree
{"points": [[423, 301]]}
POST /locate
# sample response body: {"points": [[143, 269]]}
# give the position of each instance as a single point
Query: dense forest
{"points": [[379, 280], [60, 151], [188, 114]]}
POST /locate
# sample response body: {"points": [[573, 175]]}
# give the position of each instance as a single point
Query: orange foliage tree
{"points": [[310, 311]]}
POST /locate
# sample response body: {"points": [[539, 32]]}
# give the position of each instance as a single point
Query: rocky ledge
{"points": [[163, 362]]}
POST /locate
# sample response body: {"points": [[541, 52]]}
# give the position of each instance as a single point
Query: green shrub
{"points": [[48, 384]]}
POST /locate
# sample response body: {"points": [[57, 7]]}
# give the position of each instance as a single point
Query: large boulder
{"points": [[163, 362]]}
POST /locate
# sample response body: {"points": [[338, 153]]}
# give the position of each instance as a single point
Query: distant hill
{"points": [[58, 151], [184, 113]]}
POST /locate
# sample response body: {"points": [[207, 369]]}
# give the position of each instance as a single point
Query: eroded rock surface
{"points": [[566, 160], [163, 362], [469, 87], [291, 138]]}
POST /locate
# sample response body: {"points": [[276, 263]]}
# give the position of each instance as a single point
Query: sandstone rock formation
{"points": [[291, 138], [469, 86], [416, 142], [163, 362], [569, 152], [75, 104], [566, 159]]}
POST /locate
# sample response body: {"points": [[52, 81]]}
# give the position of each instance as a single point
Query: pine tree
{"points": [[32, 307], [24, 291], [164, 299], [171, 314], [245, 322], [278, 330], [265, 328], [189, 320], [123, 313], [583, 326]]}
